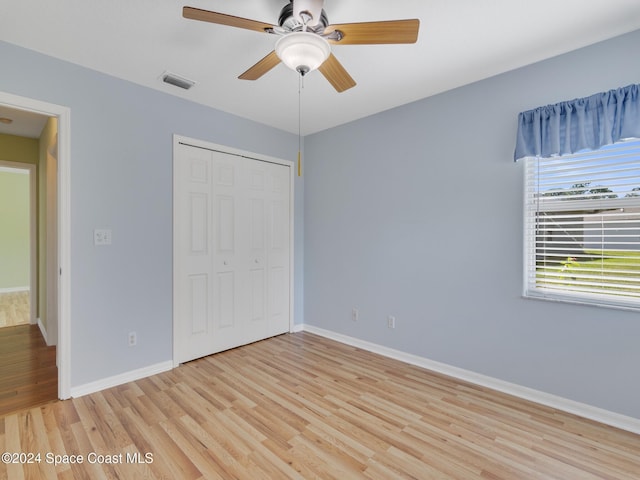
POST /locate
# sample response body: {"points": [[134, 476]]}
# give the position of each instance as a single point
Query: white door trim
{"points": [[63, 115], [180, 139]]}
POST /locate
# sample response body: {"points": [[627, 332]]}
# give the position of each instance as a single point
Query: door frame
{"points": [[63, 114], [182, 140], [33, 238]]}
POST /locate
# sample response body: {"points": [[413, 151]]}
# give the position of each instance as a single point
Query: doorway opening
{"points": [[52, 305], [18, 247]]}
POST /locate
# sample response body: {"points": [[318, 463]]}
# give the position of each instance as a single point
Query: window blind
{"points": [[582, 226]]}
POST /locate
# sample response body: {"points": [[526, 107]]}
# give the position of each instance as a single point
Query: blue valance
{"points": [[583, 123]]}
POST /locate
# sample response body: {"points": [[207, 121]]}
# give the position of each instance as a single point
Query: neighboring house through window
{"points": [[582, 226]]}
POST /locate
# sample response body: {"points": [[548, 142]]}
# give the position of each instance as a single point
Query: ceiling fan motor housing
{"points": [[294, 15], [308, 9]]}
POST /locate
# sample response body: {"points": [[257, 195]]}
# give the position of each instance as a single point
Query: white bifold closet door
{"points": [[232, 251]]}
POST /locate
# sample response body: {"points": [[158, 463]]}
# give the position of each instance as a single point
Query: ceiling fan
{"points": [[306, 38]]}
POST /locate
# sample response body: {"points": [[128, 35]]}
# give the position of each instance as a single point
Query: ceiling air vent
{"points": [[177, 80]]}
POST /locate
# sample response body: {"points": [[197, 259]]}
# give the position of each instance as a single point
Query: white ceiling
{"points": [[460, 41], [23, 123]]}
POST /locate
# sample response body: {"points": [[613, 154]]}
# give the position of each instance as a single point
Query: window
{"points": [[582, 226]]}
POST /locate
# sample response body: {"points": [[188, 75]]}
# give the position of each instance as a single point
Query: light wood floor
{"points": [[28, 372], [14, 309], [300, 406]]}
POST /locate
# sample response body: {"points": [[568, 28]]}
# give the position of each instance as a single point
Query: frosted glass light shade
{"points": [[302, 51]]}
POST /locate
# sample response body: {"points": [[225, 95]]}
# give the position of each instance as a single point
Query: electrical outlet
{"points": [[391, 321], [355, 314], [133, 339]]}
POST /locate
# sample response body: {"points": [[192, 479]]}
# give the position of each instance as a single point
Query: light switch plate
{"points": [[102, 236]]}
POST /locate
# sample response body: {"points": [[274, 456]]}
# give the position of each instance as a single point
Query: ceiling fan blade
{"points": [[375, 33], [262, 67], [333, 71], [223, 19]]}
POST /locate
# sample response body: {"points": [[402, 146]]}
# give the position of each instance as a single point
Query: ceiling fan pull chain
{"points": [[300, 86]]}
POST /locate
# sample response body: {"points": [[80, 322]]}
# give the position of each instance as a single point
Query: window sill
{"points": [[590, 302]]}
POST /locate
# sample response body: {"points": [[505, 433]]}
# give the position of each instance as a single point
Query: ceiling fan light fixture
{"points": [[302, 51]]}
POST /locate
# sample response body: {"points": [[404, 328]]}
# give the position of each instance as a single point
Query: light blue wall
{"points": [[417, 212], [121, 178]]}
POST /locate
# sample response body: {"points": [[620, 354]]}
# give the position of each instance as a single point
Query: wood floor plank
{"points": [[28, 372], [299, 406], [198, 452], [14, 308]]}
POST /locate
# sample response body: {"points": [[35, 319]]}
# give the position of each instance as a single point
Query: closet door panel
{"points": [[193, 332], [278, 248]]}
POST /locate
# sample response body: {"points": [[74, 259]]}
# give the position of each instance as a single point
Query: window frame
{"points": [[531, 235]]}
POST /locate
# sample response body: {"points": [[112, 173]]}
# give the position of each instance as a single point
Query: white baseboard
{"points": [[298, 327], [15, 289], [116, 380], [43, 330], [601, 415]]}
